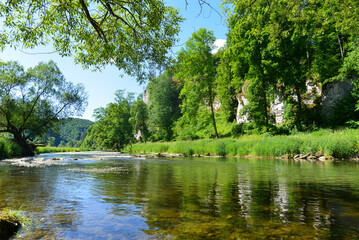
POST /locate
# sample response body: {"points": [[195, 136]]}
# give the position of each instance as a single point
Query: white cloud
{"points": [[218, 44]]}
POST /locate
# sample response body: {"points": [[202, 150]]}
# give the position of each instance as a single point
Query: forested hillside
{"points": [[71, 132]]}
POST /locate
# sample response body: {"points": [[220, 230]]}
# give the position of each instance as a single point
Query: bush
{"points": [[188, 152], [221, 149], [9, 149]]}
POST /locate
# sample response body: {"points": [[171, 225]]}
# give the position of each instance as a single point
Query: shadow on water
{"points": [[112, 196]]}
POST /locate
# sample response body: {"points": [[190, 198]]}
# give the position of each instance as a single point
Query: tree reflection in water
{"points": [[253, 199], [200, 198]]}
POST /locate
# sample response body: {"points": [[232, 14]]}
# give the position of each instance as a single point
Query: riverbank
{"points": [[322, 144], [10, 222], [60, 149]]}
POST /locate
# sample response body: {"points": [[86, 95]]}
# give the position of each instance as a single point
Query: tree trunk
{"points": [[212, 112], [300, 110], [265, 106], [27, 148]]}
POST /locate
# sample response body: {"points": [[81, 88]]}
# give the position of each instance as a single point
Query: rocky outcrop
{"points": [[331, 94], [241, 117], [145, 97], [277, 110]]}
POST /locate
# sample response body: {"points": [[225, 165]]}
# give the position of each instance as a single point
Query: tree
{"points": [[112, 129], [132, 35], [228, 86], [139, 118], [163, 93], [196, 69], [51, 142], [32, 102]]}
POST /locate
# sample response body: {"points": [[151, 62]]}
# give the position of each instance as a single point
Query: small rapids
{"points": [[36, 162]]}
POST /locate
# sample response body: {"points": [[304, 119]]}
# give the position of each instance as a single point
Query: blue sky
{"points": [[101, 86]]}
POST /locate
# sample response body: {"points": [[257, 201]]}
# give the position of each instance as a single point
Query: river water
{"points": [[99, 195]]}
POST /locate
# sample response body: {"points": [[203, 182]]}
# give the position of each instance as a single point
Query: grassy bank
{"points": [[339, 144], [11, 221], [60, 149]]}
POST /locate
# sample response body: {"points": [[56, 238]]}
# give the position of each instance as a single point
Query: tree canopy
{"points": [[196, 69], [32, 101], [112, 129], [164, 100], [132, 35]]}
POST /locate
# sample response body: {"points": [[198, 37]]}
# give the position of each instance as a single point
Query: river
{"points": [[100, 195]]}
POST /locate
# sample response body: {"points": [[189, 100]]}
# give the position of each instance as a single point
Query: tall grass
{"points": [[9, 149], [60, 149], [338, 144]]}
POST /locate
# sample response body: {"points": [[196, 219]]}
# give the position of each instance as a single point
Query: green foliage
{"points": [[163, 94], [112, 129], [221, 149], [196, 71], [227, 85], [70, 130], [9, 149], [124, 34], [271, 50], [51, 142], [344, 111], [139, 118]]}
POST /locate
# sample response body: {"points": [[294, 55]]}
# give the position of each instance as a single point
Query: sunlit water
{"points": [[112, 196]]}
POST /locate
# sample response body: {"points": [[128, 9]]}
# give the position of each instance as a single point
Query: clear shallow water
{"points": [[112, 196]]}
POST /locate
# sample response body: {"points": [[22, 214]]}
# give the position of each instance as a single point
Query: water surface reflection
{"points": [[112, 196]]}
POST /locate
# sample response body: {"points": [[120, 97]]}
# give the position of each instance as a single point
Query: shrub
{"points": [[187, 151], [221, 149], [9, 149]]}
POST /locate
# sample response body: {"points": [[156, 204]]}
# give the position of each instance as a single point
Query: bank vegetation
{"points": [[318, 145]]}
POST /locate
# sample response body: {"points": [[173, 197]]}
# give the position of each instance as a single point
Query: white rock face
{"points": [[145, 97], [241, 118], [312, 91], [277, 110]]}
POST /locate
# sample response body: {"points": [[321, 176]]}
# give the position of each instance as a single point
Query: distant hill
{"points": [[71, 132]]}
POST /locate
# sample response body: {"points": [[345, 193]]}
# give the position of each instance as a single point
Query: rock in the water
{"points": [[312, 157], [8, 228], [302, 156], [160, 155], [319, 154]]}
